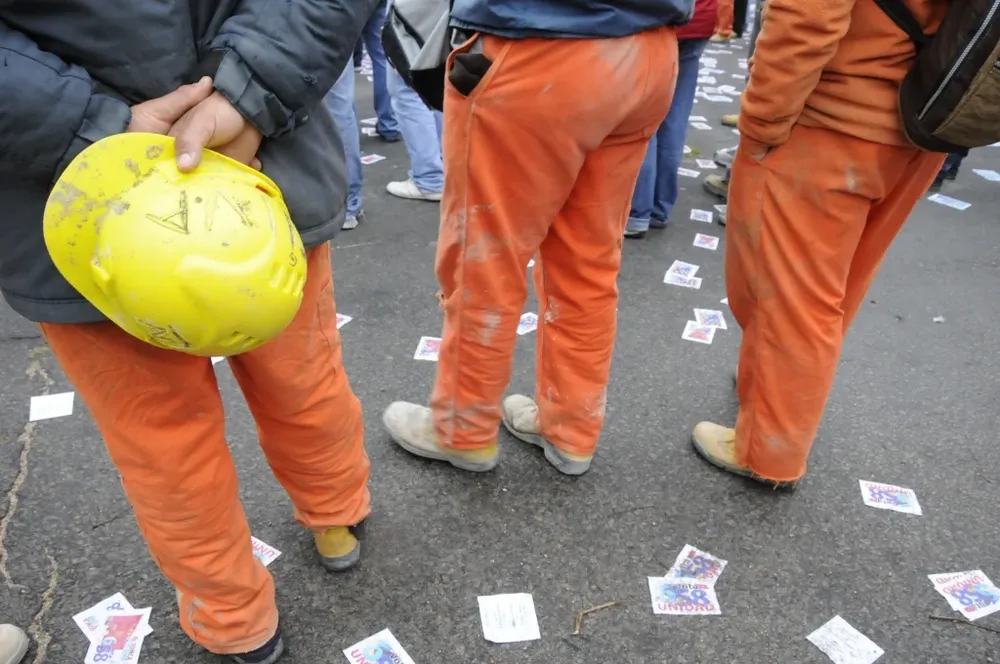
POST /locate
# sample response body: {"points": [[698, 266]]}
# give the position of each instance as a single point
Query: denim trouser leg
{"points": [[421, 129], [670, 135], [372, 35], [645, 190], [340, 101]]}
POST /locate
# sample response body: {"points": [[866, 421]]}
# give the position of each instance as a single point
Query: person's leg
{"points": [[576, 281], [670, 135], [161, 418], [724, 21], [758, 17], [423, 143], [513, 159], [794, 308], [387, 127], [643, 196], [308, 419], [359, 54], [340, 101], [740, 8]]}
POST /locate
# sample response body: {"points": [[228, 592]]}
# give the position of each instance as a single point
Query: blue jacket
{"points": [[518, 19], [70, 70]]}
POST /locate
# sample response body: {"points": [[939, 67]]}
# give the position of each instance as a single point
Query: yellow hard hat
{"points": [[207, 262]]}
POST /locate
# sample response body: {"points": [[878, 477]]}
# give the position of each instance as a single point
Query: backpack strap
{"points": [[904, 19]]}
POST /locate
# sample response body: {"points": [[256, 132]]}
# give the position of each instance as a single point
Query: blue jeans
{"points": [[372, 36], [656, 189], [421, 128], [340, 101]]}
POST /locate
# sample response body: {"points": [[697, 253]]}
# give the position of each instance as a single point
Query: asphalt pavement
{"points": [[915, 404]]}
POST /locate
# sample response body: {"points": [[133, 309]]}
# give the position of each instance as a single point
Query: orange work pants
{"points": [[541, 157], [805, 238], [161, 417], [724, 17]]}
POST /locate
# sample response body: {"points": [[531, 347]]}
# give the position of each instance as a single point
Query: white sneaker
{"points": [[13, 644], [351, 221], [409, 189]]}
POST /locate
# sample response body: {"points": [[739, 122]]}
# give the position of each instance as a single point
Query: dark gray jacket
{"points": [[69, 70]]}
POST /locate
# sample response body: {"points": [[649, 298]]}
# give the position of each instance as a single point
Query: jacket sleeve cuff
{"points": [[234, 80], [104, 117]]}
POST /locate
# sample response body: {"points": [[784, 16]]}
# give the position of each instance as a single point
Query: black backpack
{"points": [[950, 99]]}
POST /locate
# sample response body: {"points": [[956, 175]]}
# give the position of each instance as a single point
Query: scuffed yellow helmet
{"points": [[207, 263]]}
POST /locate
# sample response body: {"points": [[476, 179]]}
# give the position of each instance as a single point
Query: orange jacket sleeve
{"points": [[797, 39]]}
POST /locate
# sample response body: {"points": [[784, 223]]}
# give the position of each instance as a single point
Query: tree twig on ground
{"points": [[578, 623], [962, 621]]}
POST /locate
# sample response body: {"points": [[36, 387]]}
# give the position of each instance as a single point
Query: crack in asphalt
{"points": [[37, 629], [26, 439]]}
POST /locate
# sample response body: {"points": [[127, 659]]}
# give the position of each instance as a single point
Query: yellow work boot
{"points": [[338, 547], [717, 445], [716, 38], [731, 120], [717, 185], [411, 426], [520, 416]]}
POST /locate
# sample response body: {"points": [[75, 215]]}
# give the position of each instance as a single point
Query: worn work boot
{"points": [[716, 38], [520, 416], [731, 120], [13, 644], [724, 157], [268, 653], [717, 445], [716, 185], [338, 547], [410, 425]]}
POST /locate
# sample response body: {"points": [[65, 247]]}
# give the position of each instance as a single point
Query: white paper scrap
{"points": [[90, 621], [843, 644], [687, 150], [702, 126], [263, 552], [343, 319], [710, 318], [689, 173], [674, 597], [528, 323], [217, 359], [706, 164], [369, 159], [706, 241], [693, 564], [370, 121], [509, 618], [119, 638], [889, 497], [369, 131], [970, 593], [679, 280], [948, 201], [428, 349], [47, 406], [531, 263], [683, 269], [701, 215], [992, 176], [697, 118], [381, 647], [694, 331]]}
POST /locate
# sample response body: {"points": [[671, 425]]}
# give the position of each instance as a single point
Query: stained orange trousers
{"points": [[805, 238], [724, 17], [161, 417], [541, 159]]}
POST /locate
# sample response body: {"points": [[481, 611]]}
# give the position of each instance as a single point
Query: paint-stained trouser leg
{"points": [[162, 420], [538, 153], [803, 247]]}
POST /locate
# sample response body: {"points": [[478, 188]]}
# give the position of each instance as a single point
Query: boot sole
{"points": [[560, 463], [461, 464], [342, 563], [736, 470]]}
